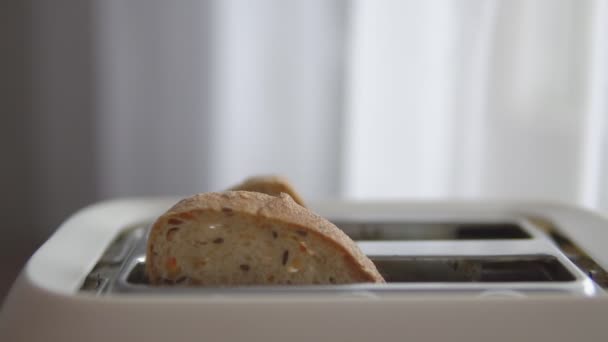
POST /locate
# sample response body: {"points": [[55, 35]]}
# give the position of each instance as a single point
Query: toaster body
{"points": [[457, 270]]}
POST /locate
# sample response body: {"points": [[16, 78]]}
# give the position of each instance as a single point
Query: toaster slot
{"points": [[122, 245], [114, 258], [533, 268], [137, 274], [574, 253], [404, 231], [466, 256], [95, 284]]}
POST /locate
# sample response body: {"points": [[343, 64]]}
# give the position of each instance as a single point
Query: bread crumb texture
{"points": [[237, 238]]}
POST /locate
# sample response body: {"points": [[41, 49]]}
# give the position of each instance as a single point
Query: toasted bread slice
{"points": [[271, 185], [249, 238]]}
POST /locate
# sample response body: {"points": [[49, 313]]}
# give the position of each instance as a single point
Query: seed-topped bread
{"points": [[248, 238], [271, 185]]}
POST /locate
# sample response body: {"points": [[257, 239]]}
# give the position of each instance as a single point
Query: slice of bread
{"points": [[271, 185], [247, 238]]}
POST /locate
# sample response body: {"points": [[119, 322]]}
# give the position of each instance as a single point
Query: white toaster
{"points": [[458, 271]]}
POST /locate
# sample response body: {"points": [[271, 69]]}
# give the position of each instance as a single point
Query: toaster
{"points": [[454, 270]]}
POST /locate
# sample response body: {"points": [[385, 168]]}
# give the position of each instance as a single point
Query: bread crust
{"points": [[282, 209]]}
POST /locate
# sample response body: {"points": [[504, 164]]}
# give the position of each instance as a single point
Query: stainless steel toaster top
{"points": [[482, 254]]}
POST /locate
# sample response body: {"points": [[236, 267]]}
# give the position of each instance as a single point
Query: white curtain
{"points": [[353, 99], [199, 95], [361, 99], [473, 99]]}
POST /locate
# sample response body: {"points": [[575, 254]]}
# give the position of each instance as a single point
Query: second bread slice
{"points": [[271, 185]]}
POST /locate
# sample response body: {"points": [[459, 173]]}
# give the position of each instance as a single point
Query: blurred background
{"points": [[357, 99]]}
